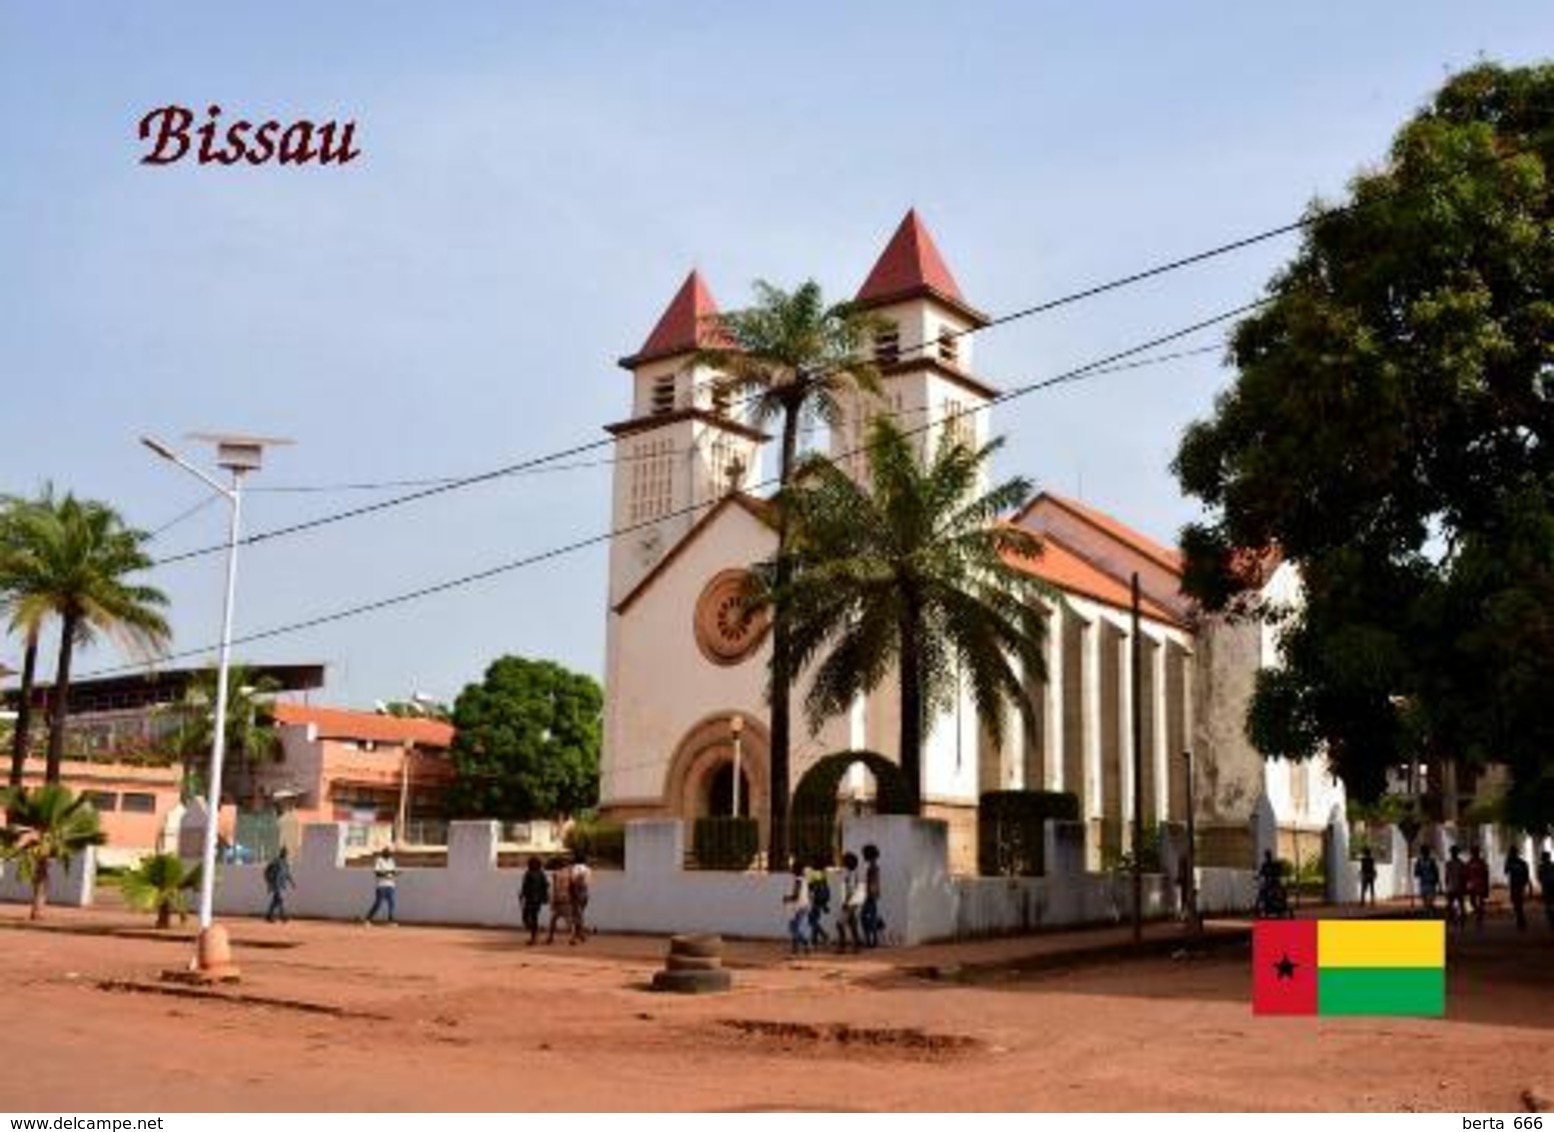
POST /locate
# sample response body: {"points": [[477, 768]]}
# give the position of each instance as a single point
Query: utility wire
{"points": [[1080, 373], [1311, 218]]}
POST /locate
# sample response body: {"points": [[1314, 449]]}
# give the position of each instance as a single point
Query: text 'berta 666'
{"points": [[172, 133]]}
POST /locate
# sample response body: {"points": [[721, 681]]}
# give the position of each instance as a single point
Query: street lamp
{"points": [[239, 455], [736, 724]]}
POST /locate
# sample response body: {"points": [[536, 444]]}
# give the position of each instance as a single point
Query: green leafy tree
{"points": [[913, 571], [795, 358], [526, 742], [1391, 432], [76, 567], [161, 883], [45, 825]]}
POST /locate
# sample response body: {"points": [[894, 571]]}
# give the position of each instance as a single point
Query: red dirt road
{"points": [[342, 1017]]}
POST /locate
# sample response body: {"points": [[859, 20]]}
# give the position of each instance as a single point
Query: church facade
{"points": [[685, 674]]}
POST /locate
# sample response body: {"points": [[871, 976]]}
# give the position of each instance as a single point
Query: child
{"points": [[852, 901], [872, 924], [819, 904], [798, 920], [532, 896]]}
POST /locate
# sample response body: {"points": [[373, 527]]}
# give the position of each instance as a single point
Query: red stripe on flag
{"points": [[1284, 967]]}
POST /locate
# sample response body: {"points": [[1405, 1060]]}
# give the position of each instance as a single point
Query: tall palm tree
{"points": [[251, 735], [42, 826], [23, 610], [913, 569], [77, 569], [794, 357]]}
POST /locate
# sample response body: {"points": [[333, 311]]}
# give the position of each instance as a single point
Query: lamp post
{"points": [[736, 724], [239, 455]]}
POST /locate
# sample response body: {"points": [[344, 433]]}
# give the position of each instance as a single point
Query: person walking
{"points": [[1546, 885], [560, 898], [852, 903], [872, 924], [1476, 884], [1518, 878], [1456, 888], [579, 879], [277, 878], [1428, 873], [819, 905], [385, 872], [1367, 876], [533, 894], [796, 903]]}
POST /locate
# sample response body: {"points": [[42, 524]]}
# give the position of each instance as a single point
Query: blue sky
{"points": [[537, 179]]}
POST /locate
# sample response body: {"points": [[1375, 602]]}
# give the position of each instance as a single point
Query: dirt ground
{"points": [[344, 1017]]}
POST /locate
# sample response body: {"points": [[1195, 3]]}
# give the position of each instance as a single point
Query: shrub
{"points": [[602, 842], [726, 842], [1009, 829]]}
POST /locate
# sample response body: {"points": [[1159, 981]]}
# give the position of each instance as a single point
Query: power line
{"points": [[1080, 373], [1306, 221]]}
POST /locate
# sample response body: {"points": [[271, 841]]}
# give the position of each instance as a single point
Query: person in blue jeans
{"points": [[385, 870], [797, 902]]}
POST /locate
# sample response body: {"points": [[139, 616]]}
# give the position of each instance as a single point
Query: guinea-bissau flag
{"points": [[1349, 967]]}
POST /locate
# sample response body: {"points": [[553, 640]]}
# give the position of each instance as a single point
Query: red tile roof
{"points": [[1070, 571], [1165, 556], [909, 261], [911, 267], [684, 326], [340, 723]]}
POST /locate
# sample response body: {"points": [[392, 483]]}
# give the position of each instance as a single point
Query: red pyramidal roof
{"points": [[683, 326], [911, 267]]}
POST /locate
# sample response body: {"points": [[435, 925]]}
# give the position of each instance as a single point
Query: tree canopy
{"points": [[527, 742], [1391, 432]]}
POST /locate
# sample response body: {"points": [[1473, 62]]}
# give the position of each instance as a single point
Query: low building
{"points": [[384, 776]]}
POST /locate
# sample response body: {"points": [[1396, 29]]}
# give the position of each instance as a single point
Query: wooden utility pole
{"points": [[1138, 771]]}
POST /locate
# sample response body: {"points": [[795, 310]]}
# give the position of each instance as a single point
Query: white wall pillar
{"points": [[1125, 725], [1161, 740], [1052, 733], [1090, 669]]}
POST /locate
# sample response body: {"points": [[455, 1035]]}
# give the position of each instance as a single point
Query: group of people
{"points": [[1466, 884], [808, 901], [564, 888]]}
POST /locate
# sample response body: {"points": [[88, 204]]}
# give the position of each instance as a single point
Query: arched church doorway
{"points": [[700, 779]]}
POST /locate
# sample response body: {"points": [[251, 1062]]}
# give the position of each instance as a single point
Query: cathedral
{"points": [[685, 674]]}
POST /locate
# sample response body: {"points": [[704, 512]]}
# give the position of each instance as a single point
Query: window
{"points": [[949, 346], [663, 395], [140, 803], [651, 479], [957, 422], [722, 398], [887, 345], [103, 801]]}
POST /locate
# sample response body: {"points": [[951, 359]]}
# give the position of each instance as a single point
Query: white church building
{"points": [[681, 666]]}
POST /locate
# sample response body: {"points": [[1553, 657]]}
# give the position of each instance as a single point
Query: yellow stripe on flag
{"points": [[1381, 943]]}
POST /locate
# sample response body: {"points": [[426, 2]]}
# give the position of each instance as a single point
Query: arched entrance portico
{"points": [[700, 779]]}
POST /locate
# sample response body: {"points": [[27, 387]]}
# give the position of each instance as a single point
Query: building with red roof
{"points": [[683, 665]]}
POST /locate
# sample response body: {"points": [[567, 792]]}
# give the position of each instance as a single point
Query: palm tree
{"points": [[914, 569], [75, 568], [23, 610], [794, 357], [161, 883], [251, 735], [45, 825]]}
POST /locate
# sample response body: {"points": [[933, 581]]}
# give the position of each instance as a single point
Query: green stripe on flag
{"points": [[1382, 990]]}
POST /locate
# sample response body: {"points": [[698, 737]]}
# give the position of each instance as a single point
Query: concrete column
{"points": [[1052, 736], [1125, 726], [1161, 755], [1090, 683]]}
